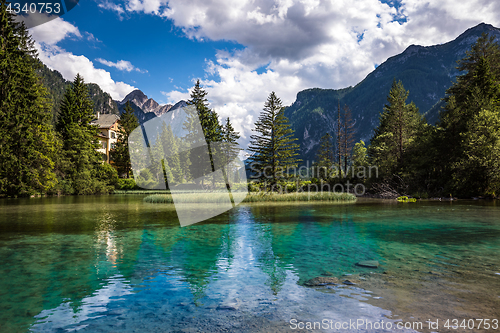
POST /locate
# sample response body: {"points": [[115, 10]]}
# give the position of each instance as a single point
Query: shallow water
{"points": [[114, 263]]}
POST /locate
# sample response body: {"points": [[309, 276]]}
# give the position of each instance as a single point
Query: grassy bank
{"points": [[252, 197], [164, 192]]}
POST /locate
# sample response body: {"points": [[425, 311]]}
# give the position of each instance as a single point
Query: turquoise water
{"points": [[114, 263]]}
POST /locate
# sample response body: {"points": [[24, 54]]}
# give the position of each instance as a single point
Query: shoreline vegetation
{"points": [[252, 197]]}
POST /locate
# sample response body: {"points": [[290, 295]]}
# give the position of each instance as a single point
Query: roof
{"points": [[105, 120]]}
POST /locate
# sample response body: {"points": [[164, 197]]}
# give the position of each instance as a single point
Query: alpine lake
{"points": [[116, 264]]}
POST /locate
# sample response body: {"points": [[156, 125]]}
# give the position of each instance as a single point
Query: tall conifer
{"points": [[120, 155], [399, 125], [27, 141], [274, 148], [81, 160], [324, 158], [212, 132], [469, 125]]}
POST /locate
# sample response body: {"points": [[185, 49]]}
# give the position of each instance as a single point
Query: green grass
{"points": [[308, 196], [141, 192], [221, 197]]}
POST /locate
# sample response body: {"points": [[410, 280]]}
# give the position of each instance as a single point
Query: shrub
{"points": [[126, 184]]}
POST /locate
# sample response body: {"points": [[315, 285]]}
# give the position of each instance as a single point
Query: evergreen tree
{"points": [[346, 137], [171, 153], [212, 132], [158, 169], [468, 130], [359, 156], [397, 131], [274, 148], [208, 118], [27, 140], [120, 154], [478, 173], [80, 164], [323, 166], [231, 150]]}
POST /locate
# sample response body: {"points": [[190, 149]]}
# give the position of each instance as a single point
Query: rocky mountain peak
{"points": [[136, 96], [145, 104], [150, 105]]}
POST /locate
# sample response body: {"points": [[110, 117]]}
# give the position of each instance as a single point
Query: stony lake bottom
{"points": [[114, 263]]}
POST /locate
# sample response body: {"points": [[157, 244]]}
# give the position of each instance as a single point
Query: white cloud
{"points": [[146, 6], [47, 36], [54, 31], [307, 43], [112, 6], [122, 65], [91, 38], [69, 65], [175, 96]]}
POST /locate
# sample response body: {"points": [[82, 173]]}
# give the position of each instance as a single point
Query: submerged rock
{"points": [[368, 263], [350, 282], [230, 305], [322, 281]]}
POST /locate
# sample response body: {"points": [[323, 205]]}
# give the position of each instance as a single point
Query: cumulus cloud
{"points": [[175, 96], [122, 65], [54, 31], [69, 65], [291, 45], [47, 36]]}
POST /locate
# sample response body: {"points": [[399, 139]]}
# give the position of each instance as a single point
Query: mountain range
{"points": [[144, 108], [426, 71]]}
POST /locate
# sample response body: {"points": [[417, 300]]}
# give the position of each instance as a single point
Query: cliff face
{"points": [[146, 104]]}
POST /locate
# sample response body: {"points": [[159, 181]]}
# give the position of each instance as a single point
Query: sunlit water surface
{"points": [[114, 263]]}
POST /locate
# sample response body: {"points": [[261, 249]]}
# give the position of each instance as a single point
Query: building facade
{"points": [[109, 128]]}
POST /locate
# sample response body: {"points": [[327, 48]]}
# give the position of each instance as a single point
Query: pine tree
{"points": [[481, 65], [274, 150], [208, 118], [397, 131], [120, 154], [27, 140], [231, 149], [324, 158], [171, 153], [212, 132], [478, 173], [81, 162], [359, 156], [468, 128]]}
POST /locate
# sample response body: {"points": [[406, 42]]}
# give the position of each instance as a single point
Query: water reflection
{"points": [[90, 307], [115, 262], [105, 239]]}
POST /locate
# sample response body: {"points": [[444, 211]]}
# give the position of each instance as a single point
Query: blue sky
{"points": [[164, 58], [244, 49]]}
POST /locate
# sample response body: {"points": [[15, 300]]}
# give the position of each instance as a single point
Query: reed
{"points": [[252, 197], [303, 196], [141, 192]]}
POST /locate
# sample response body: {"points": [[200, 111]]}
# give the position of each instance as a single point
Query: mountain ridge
{"points": [[426, 71], [146, 108]]}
